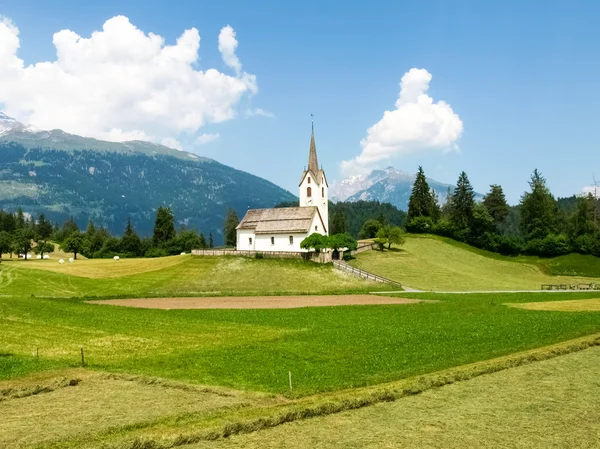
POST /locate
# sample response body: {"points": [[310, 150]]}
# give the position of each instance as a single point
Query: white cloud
{"points": [[121, 83], [203, 139], [227, 46], [417, 124], [171, 142], [259, 112]]}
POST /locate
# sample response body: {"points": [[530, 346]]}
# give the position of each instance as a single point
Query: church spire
{"points": [[313, 163]]}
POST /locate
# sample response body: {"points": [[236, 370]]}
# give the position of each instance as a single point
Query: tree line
{"points": [[21, 234], [537, 226]]}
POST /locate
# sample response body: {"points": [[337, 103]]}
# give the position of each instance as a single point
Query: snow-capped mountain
{"points": [[8, 124], [388, 185]]}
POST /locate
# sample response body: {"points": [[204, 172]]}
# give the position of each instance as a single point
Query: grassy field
{"points": [[165, 358], [325, 348], [440, 264], [175, 276], [549, 404]]}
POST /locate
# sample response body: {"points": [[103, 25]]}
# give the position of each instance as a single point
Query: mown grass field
{"points": [[549, 404], [175, 276], [435, 263], [45, 319]]}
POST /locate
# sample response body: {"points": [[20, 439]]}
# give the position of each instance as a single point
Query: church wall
{"points": [[242, 239], [282, 242]]}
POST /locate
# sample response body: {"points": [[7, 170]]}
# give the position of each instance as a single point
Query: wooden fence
{"points": [[343, 266], [570, 286], [321, 257]]}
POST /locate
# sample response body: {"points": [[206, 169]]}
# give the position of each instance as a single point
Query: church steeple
{"points": [[313, 163]]}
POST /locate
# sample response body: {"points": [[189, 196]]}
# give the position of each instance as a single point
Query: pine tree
{"points": [[43, 231], [421, 202], [229, 230], [538, 209], [20, 219], [202, 241], [496, 205], [164, 226], [583, 220], [211, 242], [436, 212], [130, 242], [463, 203], [91, 230]]}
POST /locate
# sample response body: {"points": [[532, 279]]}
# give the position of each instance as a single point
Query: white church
{"points": [[282, 229]]}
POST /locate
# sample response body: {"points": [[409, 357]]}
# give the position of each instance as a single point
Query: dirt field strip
{"points": [[256, 302]]}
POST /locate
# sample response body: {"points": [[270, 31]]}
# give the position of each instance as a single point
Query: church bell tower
{"points": [[313, 185]]}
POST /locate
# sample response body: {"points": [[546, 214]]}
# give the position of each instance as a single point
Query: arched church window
{"points": [[308, 192]]}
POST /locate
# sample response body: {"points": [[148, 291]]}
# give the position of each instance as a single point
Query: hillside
{"points": [[63, 175], [440, 264], [389, 185]]}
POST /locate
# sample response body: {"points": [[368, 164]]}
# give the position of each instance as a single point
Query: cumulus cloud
{"points": [[203, 139], [227, 46], [121, 83], [259, 112], [416, 124]]}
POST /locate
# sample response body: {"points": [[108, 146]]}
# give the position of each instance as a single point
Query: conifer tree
{"points": [[420, 203], [130, 242], [436, 208], [211, 242], [229, 230], [583, 220], [6, 242], [496, 205], [20, 219], [43, 231], [539, 209], [164, 226], [463, 203]]}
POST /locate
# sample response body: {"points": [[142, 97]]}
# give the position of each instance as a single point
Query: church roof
{"points": [[281, 220], [313, 163]]}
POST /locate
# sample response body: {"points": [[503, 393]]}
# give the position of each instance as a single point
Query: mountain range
{"points": [[65, 175], [389, 185]]}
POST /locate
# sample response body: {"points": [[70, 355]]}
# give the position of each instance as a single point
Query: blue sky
{"points": [[521, 76]]}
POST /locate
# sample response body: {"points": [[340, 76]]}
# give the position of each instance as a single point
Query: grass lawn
{"points": [[325, 348], [176, 276], [549, 404], [440, 264]]}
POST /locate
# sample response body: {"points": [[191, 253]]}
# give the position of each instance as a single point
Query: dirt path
{"points": [[255, 302]]}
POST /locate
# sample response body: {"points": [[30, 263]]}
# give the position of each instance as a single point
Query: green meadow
{"points": [[210, 366], [435, 263]]}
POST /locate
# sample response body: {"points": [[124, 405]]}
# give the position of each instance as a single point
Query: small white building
{"points": [[282, 229]]}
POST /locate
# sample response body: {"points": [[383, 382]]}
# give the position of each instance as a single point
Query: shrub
{"points": [[156, 252], [444, 228], [259, 256], [420, 225], [509, 246]]}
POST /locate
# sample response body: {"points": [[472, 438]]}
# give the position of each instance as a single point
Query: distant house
{"points": [[282, 229]]}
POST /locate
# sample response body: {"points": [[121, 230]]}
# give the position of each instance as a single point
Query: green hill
{"points": [[440, 264]]}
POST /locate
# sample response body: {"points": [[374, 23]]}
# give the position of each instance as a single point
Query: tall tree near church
{"points": [[20, 219], [420, 203], [229, 230], [539, 209], [463, 203], [43, 231], [496, 205], [211, 242], [164, 226]]}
